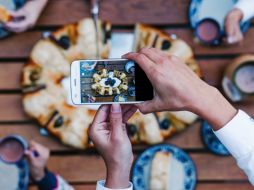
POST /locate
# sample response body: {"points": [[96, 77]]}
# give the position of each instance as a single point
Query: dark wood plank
{"points": [[58, 12], [10, 75], [31, 132], [90, 168], [20, 45], [76, 187], [86, 168], [11, 108], [224, 186], [211, 167], [213, 70], [146, 11], [119, 13], [200, 186]]}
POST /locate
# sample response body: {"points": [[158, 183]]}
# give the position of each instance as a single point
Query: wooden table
{"points": [[83, 169]]}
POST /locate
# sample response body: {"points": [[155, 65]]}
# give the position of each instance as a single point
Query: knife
{"points": [[95, 17]]}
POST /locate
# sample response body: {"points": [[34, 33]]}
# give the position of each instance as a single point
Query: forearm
{"points": [[37, 5], [213, 107]]}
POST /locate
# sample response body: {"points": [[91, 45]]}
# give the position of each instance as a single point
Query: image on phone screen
{"points": [[113, 81]]}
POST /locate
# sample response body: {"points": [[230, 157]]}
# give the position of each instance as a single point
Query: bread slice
{"points": [[5, 15], [160, 171]]}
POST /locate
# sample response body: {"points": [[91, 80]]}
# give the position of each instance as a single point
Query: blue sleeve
{"points": [[49, 182]]}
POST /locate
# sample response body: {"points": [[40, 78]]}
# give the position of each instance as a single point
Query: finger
{"points": [[143, 61], [154, 54], [101, 115], [16, 26], [148, 106], [29, 154], [17, 13], [127, 115], [126, 107], [116, 120]]}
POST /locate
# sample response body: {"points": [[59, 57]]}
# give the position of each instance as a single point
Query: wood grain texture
{"points": [[10, 75], [20, 45], [32, 132], [224, 186], [200, 186], [90, 168], [118, 12], [12, 108]]}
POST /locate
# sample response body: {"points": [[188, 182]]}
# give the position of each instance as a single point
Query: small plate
{"points": [[10, 5], [201, 9], [14, 176], [184, 177], [211, 141]]}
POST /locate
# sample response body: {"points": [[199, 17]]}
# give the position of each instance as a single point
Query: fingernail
{"points": [[115, 108], [231, 39]]}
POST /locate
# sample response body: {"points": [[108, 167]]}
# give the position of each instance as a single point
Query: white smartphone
{"points": [[109, 81]]}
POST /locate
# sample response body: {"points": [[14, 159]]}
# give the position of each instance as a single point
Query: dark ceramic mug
{"points": [[208, 32], [12, 148]]}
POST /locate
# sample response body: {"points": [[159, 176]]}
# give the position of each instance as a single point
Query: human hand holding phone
{"points": [[109, 135], [178, 88]]}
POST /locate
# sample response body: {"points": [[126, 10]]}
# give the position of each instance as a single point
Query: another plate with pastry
{"points": [[164, 167]]}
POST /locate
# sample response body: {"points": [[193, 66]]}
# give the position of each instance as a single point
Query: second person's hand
{"points": [[232, 26], [38, 156], [109, 135]]}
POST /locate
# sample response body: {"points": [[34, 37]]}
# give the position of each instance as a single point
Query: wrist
{"points": [[38, 175], [213, 107], [118, 176]]}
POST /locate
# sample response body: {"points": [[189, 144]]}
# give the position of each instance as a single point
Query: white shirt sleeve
{"points": [[238, 137], [101, 186], [247, 7]]}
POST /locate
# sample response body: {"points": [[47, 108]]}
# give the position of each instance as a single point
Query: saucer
{"points": [[211, 141], [14, 176], [184, 175]]}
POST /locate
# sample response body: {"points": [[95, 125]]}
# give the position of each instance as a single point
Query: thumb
{"points": [[147, 106], [116, 120]]}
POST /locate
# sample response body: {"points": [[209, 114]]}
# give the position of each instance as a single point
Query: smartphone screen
{"points": [[117, 80]]}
